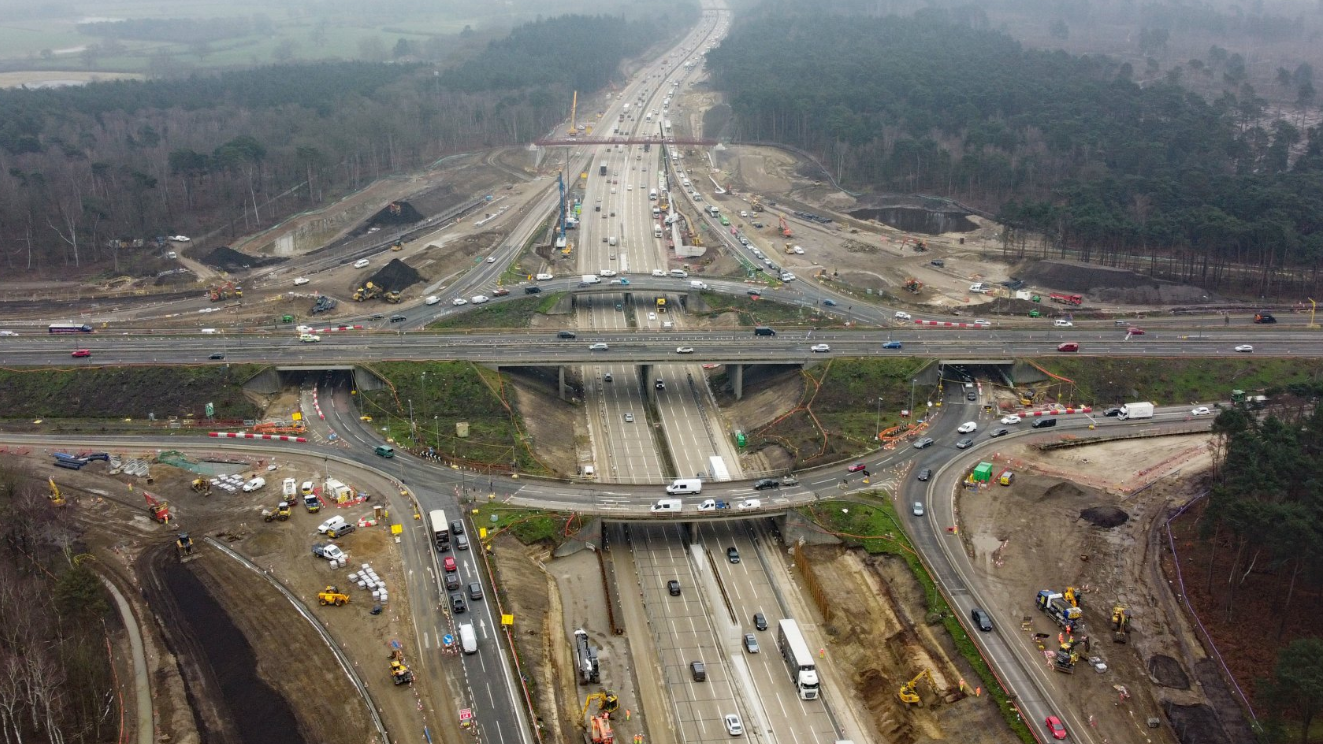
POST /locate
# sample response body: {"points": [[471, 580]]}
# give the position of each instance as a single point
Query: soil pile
{"points": [[396, 276], [1105, 516], [1195, 724], [1108, 284], [226, 258], [1167, 672], [396, 213], [1063, 490]]}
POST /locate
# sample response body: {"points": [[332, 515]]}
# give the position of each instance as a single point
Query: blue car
{"points": [[891, 345], [829, 303]]}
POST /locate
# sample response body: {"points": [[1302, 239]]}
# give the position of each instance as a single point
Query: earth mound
{"points": [[396, 276], [1105, 516], [226, 258], [1063, 490], [1167, 672], [1109, 284], [396, 213]]}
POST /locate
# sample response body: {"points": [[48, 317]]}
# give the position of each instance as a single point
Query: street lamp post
{"points": [[413, 432], [912, 383], [877, 427]]}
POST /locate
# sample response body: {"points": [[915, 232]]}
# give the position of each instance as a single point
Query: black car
{"points": [[925, 474], [733, 554], [999, 432], [452, 581], [766, 483], [923, 443], [397, 318], [753, 292], [673, 586], [759, 621], [457, 603], [965, 443], [216, 356], [981, 619], [1114, 411], [475, 590], [971, 396], [457, 527]]}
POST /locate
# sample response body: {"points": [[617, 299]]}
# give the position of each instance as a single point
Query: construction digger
{"points": [[1072, 595], [57, 499], [1120, 624], [332, 596], [607, 702], [184, 547], [281, 512], [399, 673], [909, 692], [225, 291], [159, 509], [757, 205], [202, 486], [1067, 656], [785, 229], [913, 285]]}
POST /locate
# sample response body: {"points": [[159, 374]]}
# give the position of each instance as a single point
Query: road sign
{"points": [[465, 714]]}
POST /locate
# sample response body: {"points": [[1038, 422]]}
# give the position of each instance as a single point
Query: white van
{"points": [[468, 640], [684, 485], [978, 287], [667, 505], [611, 240], [432, 300], [679, 273], [330, 524], [656, 231], [360, 263]]}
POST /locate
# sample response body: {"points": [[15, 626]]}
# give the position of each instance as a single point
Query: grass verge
{"points": [[763, 312], [128, 392], [510, 314], [528, 526], [1171, 381], [875, 527]]}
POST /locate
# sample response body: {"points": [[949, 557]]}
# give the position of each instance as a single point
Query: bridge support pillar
{"points": [[560, 374], [736, 379], [645, 379]]}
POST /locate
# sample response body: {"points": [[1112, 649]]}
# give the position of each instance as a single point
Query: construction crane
{"points": [[57, 499], [785, 228], [224, 291], [332, 596], [159, 509], [909, 692], [1120, 624], [607, 702]]}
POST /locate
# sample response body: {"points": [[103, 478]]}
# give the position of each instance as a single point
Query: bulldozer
{"points": [[366, 292], [201, 485], [1120, 624], [909, 692], [184, 547], [913, 285], [391, 297], [281, 512], [397, 246], [332, 596]]}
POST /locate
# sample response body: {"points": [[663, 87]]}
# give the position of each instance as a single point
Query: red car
{"points": [[858, 466], [449, 563], [82, 353], [1133, 331], [1055, 726], [1071, 346]]}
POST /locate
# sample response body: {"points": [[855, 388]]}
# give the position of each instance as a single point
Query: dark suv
{"points": [[457, 603], [766, 483], [981, 619]]}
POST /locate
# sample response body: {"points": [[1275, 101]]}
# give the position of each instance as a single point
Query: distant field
{"points": [[55, 43], [15, 79]]}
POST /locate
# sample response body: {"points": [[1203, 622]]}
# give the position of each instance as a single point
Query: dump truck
{"points": [[1060, 610]]}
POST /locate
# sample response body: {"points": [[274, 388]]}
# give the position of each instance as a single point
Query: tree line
{"points": [[232, 152], [1076, 158]]}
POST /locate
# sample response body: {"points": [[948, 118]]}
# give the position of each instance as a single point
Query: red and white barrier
{"points": [[949, 324], [1055, 412], [333, 329], [246, 435], [317, 406]]}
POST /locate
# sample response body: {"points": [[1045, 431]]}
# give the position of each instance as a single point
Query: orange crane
{"points": [[785, 229], [160, 510]]}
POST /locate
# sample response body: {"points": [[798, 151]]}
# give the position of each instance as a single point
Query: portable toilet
{"points": [[982, 473]]}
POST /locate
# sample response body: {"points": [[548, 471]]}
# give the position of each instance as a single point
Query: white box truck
{"points": [[591, 279], [1136, 411], [468, 640]]}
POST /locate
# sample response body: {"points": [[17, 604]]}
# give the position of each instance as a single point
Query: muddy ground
{"points": [[1069, 520], [212, 612]]}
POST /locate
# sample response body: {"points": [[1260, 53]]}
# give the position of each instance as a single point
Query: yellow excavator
{"points": [[399, 673], [332, 596], [201, 485], [1120, 624], [57, 499], [607, 702], [1072, 595], [909, 692]]}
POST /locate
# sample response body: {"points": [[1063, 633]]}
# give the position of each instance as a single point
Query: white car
{"points": [[750, 504], [301, 281], [658, 272], [179, 239], [599, 346], [787, 277], [652, 316], [544, 277], [1011, 419], [968, 427], [478, 299], [254, 485], [733, 725], [304, 329], [685, 350], [1062, 323], [432, 300], [459, 301], [901, 315], [360, 263], [607, 272], [8, 333], [820, 348], [1245, 348], [309, 338], [1201, 411], [799, 251], [491, 259]]}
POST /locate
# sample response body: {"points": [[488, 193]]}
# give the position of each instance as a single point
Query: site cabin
{"points": [[982, 473]]}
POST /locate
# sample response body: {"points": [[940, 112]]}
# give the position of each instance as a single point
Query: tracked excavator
{"points": [[1120, 624], [909, 692]]}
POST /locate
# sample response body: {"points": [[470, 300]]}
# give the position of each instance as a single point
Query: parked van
{"points": [[385, 451], [667, 505], [763, 331], [306, 488], [1043, 423], [330, 524], [468, 640], [685, 485]]}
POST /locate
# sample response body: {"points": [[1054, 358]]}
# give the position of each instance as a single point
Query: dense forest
{"points": [[228, 153], [1076, 158]]}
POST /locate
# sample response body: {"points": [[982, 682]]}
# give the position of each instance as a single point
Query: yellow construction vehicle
{"points": [[57, 499], [607, 702], [281, 512], [201, 485], [661, 304], [184, 547], [1120, 624], [757, 205], [399, 673], [391, 297], [1072, 595], [909, 692], [1067, 656], [397, 246], [366, 292], [332, 596]]}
